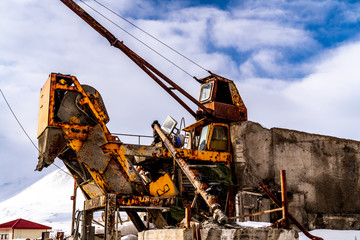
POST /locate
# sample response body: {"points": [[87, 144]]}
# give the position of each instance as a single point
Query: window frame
{"points": [[211, 83], [213, 125]]}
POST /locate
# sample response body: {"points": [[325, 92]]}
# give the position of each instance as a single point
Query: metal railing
{"points": [[133, 135]]}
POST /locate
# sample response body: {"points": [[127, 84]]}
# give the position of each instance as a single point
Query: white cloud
{"points": [[323, 102], [265, 60], [296, 11], [245, 34]]}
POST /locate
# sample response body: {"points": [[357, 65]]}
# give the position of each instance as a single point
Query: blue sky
{"points": [[295, 63]]}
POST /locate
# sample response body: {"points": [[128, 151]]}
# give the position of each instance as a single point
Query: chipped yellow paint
{"points": [[75, 144], [74, 120], [163, 187]]}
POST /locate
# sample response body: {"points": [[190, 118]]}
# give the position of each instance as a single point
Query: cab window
{"points": [[203, 136], [205, 92], [219, 139]]}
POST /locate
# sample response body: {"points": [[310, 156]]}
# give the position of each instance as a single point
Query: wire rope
{"points": [[133, 36], [19, 123], [150, 35]]}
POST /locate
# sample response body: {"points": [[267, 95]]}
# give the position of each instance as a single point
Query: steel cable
{"points": [[142, 42], [19, 123], [153, 37]]}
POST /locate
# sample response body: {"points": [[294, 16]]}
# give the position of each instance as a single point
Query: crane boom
{"points": [[142, 63]]}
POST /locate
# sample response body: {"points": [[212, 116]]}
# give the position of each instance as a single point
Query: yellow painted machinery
{"points": [[157, 178], [72, 127]]}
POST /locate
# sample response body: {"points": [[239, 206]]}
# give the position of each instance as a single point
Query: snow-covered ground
{"points": [[327, 234], [48, 202]]}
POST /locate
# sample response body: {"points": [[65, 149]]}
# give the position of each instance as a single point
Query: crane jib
{"points": [[143, 64]]}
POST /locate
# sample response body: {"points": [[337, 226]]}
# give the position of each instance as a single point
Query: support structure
{"points": [[111, 204], [73, 198], [110, 213], [284, 201], [288, 215], [210, 200]]}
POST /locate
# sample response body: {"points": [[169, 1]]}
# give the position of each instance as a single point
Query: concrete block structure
{"points": [[223, 234], [322, 172]]}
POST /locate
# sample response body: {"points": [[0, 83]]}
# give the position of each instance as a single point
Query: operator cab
{"points": [[204, 135], [222, 97]]}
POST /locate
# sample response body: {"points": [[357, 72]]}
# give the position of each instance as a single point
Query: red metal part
{"points": [[284, 199]]}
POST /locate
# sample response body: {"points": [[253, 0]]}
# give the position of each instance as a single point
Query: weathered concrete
{"points": [[322, 171], [223, 234]]}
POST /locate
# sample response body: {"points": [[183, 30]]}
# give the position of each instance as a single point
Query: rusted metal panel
{"points": [[187, 154], [116, 179], [92, 189], [95, 203], [237, 98], [145, 201], [51, 142], [204, 155], [44, 107], [227, 111], [91, 153]]}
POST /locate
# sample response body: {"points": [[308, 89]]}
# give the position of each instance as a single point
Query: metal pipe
{"points": [[117, 223], [284, 199], [257, 213], [73, 198], [215, 208], [237, 206]]}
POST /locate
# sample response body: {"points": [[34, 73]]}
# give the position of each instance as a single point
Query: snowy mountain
{"points": [[46, 202]]}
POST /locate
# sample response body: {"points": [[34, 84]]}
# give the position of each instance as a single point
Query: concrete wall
{"points": [[223, 234], [322, 171], [7, 232], [28, 233]]}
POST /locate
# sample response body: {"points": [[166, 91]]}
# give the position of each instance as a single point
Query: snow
{"points": [[253, 224], [46, 202], [327, 234]]}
